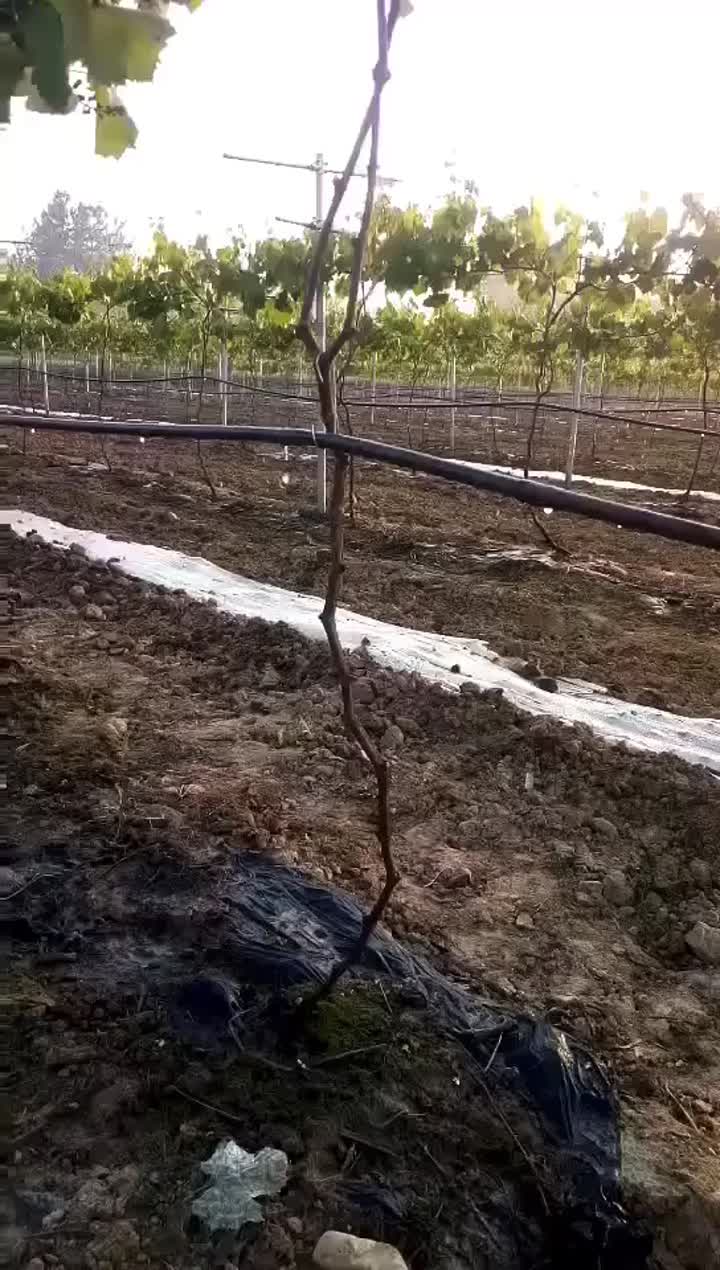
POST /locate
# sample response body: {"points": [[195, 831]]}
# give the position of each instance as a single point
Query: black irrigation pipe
{"points": [[534, 493]]}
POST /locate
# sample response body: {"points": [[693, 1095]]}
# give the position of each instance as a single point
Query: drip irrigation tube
{"points": [[534, 493]]}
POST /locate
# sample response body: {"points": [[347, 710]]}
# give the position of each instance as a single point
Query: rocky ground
{"points": [[157, 743]]}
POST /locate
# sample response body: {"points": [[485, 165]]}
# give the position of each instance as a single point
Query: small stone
{"points": [[700, 872], [524, 921], [52, 1219], [518, 666], [547, 683], [455, 878], [704, 942], [119, 1244], [470, 689], [77, 593], [589, 893], [269, 678], [564, 851], [36, 1263], [455, 669], [616, 888], [109, 1101], [392, 739], [9, 880], [659, 1029], [295, 1225], [363, 692], [605, 827], [705, 1107], [337, 1251], [407, 726], [93, 1200], [653, 902], [94, 613], [114, 732]]}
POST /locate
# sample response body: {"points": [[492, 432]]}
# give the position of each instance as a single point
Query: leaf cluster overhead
{"points": [[60, 54]]}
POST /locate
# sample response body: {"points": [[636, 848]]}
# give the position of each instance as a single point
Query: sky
{"points": [[562, 100]]}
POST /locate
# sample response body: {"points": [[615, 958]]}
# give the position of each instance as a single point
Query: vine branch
{"points": [[328, 407]]}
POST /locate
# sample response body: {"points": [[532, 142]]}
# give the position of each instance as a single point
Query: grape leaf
{"points": [[115, 131], [11, 71], [40, 33], [74, 15], [124, 44]]}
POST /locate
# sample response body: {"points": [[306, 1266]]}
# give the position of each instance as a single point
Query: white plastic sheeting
{"points": [[399, 647], [603, 482]]}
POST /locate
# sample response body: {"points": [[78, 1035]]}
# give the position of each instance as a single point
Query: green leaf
{"points": [[115, 131], [11, 72], [41, 35], [74, 15], [124, 44]]}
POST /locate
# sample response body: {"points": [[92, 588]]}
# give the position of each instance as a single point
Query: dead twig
{"points": [[208, 1106], [480, 1078], [682, 1109], [25, 886], [442, 1171], [204, 469], [121, 860], [367, 1143], [493, 1056], [552, 542], [410, 1115], [432, 881], [105, 455], [340, 1058], [120, 811]]}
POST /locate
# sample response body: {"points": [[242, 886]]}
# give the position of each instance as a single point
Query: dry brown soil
{"points": [[156, 743], [632, 612]]}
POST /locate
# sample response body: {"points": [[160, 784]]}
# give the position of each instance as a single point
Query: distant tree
{"points": [[68, 235]]}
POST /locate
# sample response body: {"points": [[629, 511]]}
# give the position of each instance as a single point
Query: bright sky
{"points": [[560, 99]]}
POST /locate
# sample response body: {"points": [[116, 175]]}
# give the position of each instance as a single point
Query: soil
{"points": [[158, 742], [634, 613]]}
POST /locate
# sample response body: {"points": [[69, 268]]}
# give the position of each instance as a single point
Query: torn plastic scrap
{"points": [[237, 1177]]}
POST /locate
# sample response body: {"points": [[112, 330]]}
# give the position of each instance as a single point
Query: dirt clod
{"points": [[616, 888], [704, 942]]}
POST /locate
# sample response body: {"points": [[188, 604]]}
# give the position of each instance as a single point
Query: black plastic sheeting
{"points": [[284, 931]]}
